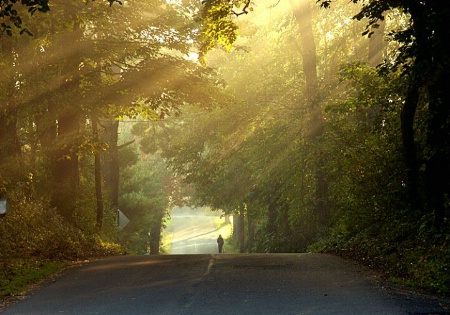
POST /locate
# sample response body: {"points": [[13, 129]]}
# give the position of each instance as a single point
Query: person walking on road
{"points": [[220, 243]]}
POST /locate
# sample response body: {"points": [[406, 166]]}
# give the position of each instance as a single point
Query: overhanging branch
{"points": [[244, 9]]}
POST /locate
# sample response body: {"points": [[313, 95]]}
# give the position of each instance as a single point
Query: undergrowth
{"points": [[17, 274], [35, 242], [412, 254]]}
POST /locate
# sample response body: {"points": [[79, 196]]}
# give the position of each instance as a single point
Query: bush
{"points": [[408, 253], [33, 229]]}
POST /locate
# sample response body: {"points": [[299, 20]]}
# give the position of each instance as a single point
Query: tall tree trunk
{"points": [[10, 152], [235, 226], [112, 162], [65, 160], [155, 233], [272, 218], [284, 221], [98, 178], [302, 13], [429, 74], [65, 165], [241, 235], [437, 172], [409, 109], [409, 147], [251, 234], [303, 16]]}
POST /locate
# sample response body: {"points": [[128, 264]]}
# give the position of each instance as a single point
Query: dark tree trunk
{"points": [[111, 162], [438, 137], [437, 172], [10, 152], [251, 234], [98, 179], [235, 227], [429, 74], [409, 147], [65, 168], [302, 13], [272, 218], [284, 221], [65, 160], [241, 233], [155, 234]]}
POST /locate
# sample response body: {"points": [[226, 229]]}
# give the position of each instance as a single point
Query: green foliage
{"points": [[86, 66], [372, 220], [12, 10], [144, 194], [36, 242], [342, 182], [218, 29], [33, 229]]}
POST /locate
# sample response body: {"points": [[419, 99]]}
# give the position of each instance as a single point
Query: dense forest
{"points": [[319, 125]]}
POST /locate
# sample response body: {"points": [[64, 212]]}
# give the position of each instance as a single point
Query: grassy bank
{"points": [[16, 275]]}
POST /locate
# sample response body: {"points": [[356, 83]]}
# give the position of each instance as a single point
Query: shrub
{"points": [[33, 229]]}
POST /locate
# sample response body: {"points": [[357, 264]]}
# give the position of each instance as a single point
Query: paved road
{"points": [[203, 284], [193, 231], [250, 284]]}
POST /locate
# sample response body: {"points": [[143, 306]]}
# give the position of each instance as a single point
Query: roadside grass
{"points": [[16, 275]]}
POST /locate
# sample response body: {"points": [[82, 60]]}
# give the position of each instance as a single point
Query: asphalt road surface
{"points": [[193, 231], [217, 284], [203, 284]]}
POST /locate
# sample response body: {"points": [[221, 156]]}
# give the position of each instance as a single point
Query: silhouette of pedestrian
{"points": [[220, 243]]}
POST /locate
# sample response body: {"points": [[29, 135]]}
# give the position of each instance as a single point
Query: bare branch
{"points": [[244, 9], [125, 144]]}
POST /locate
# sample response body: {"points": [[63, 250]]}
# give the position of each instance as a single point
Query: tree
{"points": [[12, 11], [72, 81], [423, 58], [360, 143], [10, 153], [145, 191]]}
